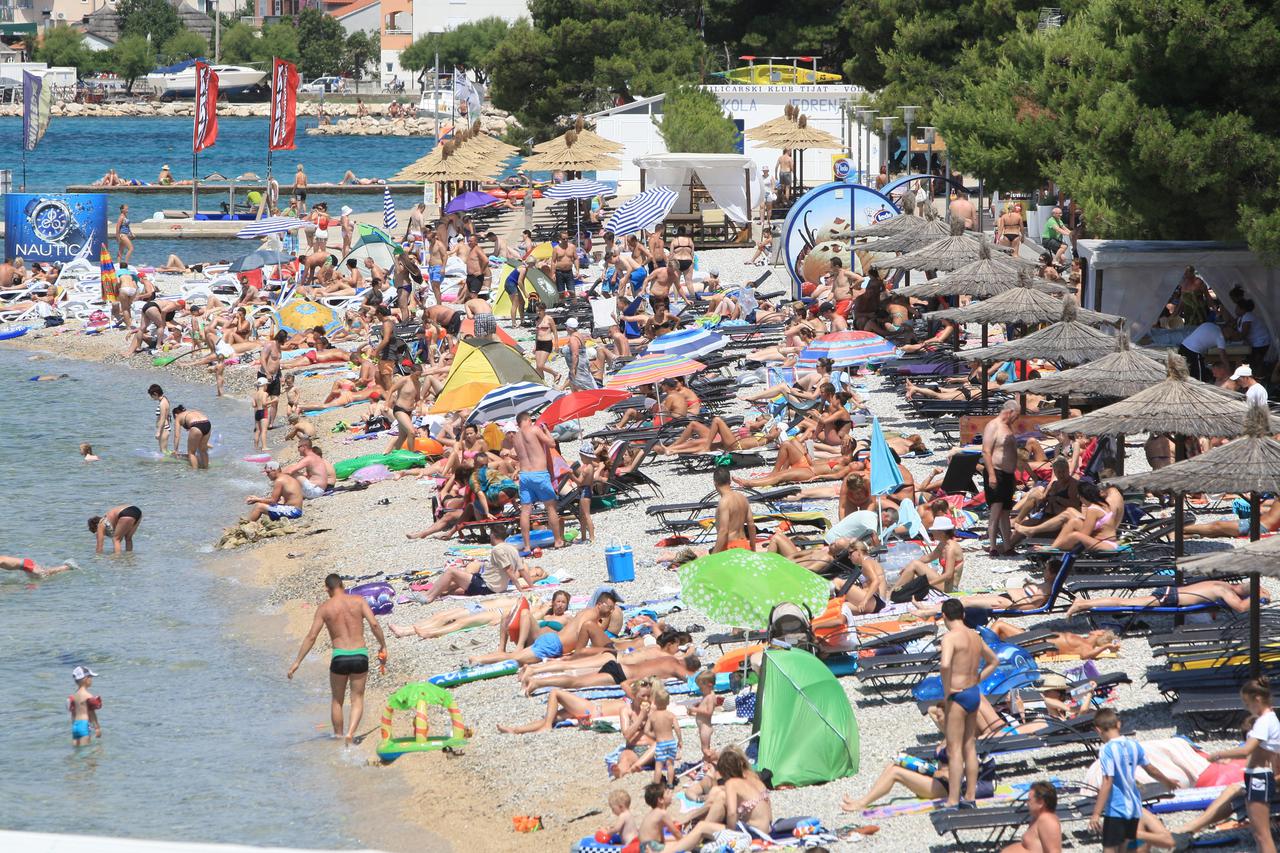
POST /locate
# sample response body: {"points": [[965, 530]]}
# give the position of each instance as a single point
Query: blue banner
{"points": [[55, 227]]}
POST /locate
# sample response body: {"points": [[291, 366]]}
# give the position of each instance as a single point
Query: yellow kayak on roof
{"points": [[778, 75]]}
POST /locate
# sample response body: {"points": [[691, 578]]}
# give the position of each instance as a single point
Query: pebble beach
{"points": [[470, 798]]}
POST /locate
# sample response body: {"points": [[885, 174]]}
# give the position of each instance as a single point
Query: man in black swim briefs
{"points": [[344, 616]]}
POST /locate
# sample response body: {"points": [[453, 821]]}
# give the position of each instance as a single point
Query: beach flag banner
{"points": [[388, 210], [206, 124], [37, 109], [284, 105], [110, 284]]}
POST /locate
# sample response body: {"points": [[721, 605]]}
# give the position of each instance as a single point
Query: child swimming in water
{"points": [[86, 451]]}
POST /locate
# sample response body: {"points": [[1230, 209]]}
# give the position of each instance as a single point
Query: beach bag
{"points": [[915, 589]]}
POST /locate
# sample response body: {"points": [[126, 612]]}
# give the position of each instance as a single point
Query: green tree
{"points": [[360, 51], [768, 28], [470, 45], [184, 44], [278, 40], [693, 122], [321, 40], [155, 19], [239, 44], [133, 57], [64, 46], [1155, 115], [583, 55]]}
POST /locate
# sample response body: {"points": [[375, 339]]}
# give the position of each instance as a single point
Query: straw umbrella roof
{"points": [[565, 153], [903, 222], [800, 136], [773, 125], [1251, 463], [586, 138], [1020, 304], [1178, 405], [956, 250], [1068, 340], [930, 230], [450, 162], [1261, 557], [1119, 374], [990, 275]]}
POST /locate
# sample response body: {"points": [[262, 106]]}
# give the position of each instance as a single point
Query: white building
{"points": [[436, 16], [632, 125]]}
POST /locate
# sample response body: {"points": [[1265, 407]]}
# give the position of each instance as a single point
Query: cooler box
{"points": [[620, 563]]}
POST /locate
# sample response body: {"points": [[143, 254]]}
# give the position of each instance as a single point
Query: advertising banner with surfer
{"points": [[54, 227]]}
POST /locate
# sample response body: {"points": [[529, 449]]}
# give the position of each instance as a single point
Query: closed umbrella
{"points": [[510, 400], [845, 349], [740, 588], [580, 404], [641, 212], [690, 343], [649, 369], [388, 210], [270, 225], [108, 282], [469, 201]]}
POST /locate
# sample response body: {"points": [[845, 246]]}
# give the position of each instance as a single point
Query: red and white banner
{"points": [[284, 105], [206, 126]]}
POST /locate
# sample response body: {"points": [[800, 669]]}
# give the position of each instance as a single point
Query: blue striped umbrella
{"points": [[580, 188], [270, 225], [388, 210], [690, 343], [845, 348], [650, 369], [641, 212], [510, 400]]}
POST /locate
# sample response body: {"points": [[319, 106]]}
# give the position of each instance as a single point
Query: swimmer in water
{"points": [[50, 377], [86, 451], [18, 564], [120, 523]]}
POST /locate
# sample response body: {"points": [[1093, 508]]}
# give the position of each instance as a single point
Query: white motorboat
{"points": [[180, 80]]}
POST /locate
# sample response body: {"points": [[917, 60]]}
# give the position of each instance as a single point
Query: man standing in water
{"points": [[269, 368], [963, 651], [1000, 455], [344, 616], [533, 448]]}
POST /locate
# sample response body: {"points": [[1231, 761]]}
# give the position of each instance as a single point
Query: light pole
{"points": [[867, 120], [928, 134], [886, 124], [909, 115]]}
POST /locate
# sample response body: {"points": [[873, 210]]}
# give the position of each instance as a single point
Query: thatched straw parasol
{"points": [[798, 136], [1249, 465], [773, 125], [1260, 558], [989, 275], [890, 227], [449, 162], [954, 251], [587, 139], [1068, 340], [1178, 405], [566, 154], [930, 230], [1119, 374], [1020, 304]]}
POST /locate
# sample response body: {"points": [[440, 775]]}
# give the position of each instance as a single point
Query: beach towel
{"points": [[1176, 757]]}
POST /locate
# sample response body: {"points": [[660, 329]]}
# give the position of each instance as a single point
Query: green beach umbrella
{"points": [[373, 234], [740, 588]]}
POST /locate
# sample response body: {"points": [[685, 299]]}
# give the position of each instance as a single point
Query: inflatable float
{"points": [[380, 595], [397, 460], [468, 674], [10, 332], [417, 698]]}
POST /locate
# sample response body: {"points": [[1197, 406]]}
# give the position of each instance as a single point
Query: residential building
{"points": [[397, 33], [102, 28], [436, 16], [359, 16]]}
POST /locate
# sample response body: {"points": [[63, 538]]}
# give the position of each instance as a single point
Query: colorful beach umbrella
{"points": [[690, 343], [845, 349], [509, 401], [580, 404], [480, 366], [740, 588], [648, 369], [388, 210], [641, 212], [270, 225], [469, 201], [110, 284], [299, 315]]}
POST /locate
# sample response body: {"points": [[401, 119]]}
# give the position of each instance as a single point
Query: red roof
{"points": [[355, 6]]}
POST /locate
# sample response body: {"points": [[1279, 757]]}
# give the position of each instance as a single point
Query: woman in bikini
{"points": [[164, 416], [703, 438], [197, 427], [1029, 596], [1232, 595], [458, 619], [1084, 646], [120, 523], [950, 559], [1010, 228], [1060, 493], [461, 498], [786, 351], [1099, 523], [794, 465], [544, 344], [406, 391]]}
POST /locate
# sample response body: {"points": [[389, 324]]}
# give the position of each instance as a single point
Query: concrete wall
{"points": [[436, 16]]}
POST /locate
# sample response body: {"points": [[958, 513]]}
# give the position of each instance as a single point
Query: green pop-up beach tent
{"points": [[807, 731]]}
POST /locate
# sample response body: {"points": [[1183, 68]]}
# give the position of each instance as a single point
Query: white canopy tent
{"points": [[732, 179], [1135, 278]]}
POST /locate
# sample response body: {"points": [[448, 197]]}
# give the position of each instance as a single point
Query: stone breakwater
{"points": [[376, 123]]}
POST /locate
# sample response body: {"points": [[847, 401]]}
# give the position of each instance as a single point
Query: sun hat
{"points": [[1053, 681], [941, 523], [571, 323]]}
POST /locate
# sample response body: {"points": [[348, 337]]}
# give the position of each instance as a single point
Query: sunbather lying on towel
{"points": [[669, 644], [1232, 595], [564, 705], [1268, 522], [718, 435], [614, 672], [457, 619], [585, 628], [793, 465], [1088, 646], [1029, 596]]}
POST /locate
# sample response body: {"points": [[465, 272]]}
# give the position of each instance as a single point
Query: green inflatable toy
{"points": [[416, 698]]}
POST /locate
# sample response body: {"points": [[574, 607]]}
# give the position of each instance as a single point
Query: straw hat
{"points": [[1053, 681]]}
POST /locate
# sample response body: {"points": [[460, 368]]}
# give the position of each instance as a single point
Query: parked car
{"points": [[326, 85]]}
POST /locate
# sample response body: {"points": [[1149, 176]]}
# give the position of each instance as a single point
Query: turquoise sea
{"points": [[80, 150], [203, 737]]}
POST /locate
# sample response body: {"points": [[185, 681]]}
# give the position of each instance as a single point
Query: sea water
{"points": [[203, 738]]}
